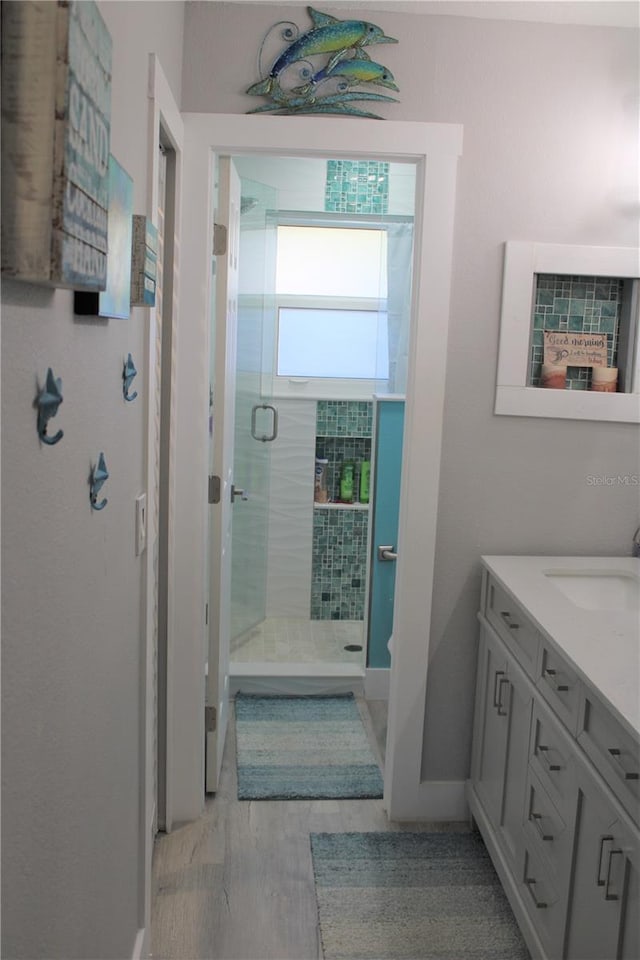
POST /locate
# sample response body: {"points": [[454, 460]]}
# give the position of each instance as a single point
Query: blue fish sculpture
{"points": [[327, 36], [352, 72]]}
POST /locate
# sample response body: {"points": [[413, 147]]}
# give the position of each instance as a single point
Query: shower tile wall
{"points": [[339, 565], [576, 305], [357, 186], [344, 418]]}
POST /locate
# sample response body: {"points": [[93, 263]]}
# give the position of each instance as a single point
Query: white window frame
{"points": [[323, 388], [522, 261]]}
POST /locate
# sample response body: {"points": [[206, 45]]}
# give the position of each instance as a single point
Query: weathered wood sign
{"points": [[575, 349], [56, 109]]}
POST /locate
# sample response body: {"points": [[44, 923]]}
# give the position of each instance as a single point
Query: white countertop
{"points": [[602, 645]]}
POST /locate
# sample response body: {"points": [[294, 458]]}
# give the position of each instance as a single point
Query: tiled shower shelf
{"points": [[340, 506]]}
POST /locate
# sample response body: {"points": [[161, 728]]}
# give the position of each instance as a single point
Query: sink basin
{"points": [[598, 590]]}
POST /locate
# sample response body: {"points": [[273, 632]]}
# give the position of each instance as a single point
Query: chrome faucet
{"points": [[635, 546]]}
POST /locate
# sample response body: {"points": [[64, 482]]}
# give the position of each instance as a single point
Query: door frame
{"points": [[163, 113], [435, 149]]}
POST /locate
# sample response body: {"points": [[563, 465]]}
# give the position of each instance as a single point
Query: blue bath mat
{"points": [[423, 896], [310, 747]]}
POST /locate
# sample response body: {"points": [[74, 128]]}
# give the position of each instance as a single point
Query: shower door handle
{"points": [[387, 553], [265, 438]]}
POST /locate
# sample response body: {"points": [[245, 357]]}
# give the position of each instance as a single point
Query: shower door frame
{"points": [[435, 149]]}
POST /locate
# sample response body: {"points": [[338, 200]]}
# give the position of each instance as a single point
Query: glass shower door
{"points": [[255, 417]]}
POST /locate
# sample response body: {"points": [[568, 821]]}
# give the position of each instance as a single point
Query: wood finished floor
{"points": [[238, 883]]}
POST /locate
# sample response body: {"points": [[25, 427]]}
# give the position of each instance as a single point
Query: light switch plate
{"points": [[141, 523]]}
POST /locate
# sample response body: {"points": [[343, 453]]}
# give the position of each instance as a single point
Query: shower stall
{"points": [[301, 585]]}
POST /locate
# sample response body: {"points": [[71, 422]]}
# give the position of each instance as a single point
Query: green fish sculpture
{"points": [[327, 36]]}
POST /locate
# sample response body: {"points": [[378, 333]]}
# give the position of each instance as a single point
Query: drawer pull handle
{"points": [[607, 894], [604, 839], [498, 674], [536, 819], [549, 764], [540, 904], [501, 710], [506, 616], [551, 676], [617, 756]]}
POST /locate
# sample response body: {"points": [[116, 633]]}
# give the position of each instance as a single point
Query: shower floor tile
{"points": [[280, 640]]}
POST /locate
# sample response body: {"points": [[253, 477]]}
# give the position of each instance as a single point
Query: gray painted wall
{"points": [[72, 667], [550, 154]]}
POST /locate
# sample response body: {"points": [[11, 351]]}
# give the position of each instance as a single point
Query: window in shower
{"points": [[331, 289]]}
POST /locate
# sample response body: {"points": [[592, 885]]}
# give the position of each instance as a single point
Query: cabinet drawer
{"points": [[613, 750], [543, 902], [512, 625], [547, 832], [559, 685], [551, 757]]}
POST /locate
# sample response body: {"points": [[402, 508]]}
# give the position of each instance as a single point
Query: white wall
{"points": [[551, 154], [72, 659]]}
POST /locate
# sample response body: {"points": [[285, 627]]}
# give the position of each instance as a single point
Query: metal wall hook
{"points": [[99, 474], [128, 373], [47, 402]]}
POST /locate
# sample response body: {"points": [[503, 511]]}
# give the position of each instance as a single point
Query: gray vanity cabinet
{"points": [[554, 792], [503, 721], [603, 911]]}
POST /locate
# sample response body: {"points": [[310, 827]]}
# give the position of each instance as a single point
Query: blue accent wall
{"points": [[386, 508]]}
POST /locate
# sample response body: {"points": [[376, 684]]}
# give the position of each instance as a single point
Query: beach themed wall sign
{"points": [[115, 300], [56, 123], [326, 69]]}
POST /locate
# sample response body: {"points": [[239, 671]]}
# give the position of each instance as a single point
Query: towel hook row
{"points": [[48, 401]]}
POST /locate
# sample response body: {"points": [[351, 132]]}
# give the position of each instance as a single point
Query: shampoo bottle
{"points": [[346, 483], [320, 491], [365, 473]]}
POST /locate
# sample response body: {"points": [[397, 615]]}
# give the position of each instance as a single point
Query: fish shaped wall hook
{"points": [[320, 70], [128, 373], [99, 475], [47, 402]]}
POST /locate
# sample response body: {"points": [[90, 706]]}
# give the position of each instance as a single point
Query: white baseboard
{"points": [[376, 683], [141, 946], [433, 800]]}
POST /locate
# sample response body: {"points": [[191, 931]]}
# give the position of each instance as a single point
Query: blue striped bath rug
{"points": [[423, 896], [303, 747]]}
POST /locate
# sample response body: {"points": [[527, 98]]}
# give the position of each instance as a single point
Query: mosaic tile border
{"points": [[579, 304], [344, 418], [357, 186]]}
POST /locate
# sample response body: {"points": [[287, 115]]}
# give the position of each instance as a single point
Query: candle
{"points": [[604, 379], [554, 376]]}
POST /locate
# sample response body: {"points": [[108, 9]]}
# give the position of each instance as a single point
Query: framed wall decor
{"points": [[56, 109], [115, 300]]}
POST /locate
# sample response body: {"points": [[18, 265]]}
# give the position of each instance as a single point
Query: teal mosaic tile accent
{"points": [[339, 564], [344, 418], [357, 186], [576, 304]]}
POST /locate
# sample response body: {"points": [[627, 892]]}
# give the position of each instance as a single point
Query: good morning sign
{"points": [[575, 349]]}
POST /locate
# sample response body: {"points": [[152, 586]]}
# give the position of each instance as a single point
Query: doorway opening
{"points": [[323, 326]]}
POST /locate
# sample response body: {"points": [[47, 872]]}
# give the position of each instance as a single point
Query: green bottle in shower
{"points": [[365, 474], [346, 482]]}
